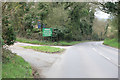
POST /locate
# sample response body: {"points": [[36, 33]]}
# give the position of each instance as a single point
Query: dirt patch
{"points": [[35, 73]]}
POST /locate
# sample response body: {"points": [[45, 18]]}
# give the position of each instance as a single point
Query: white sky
{"points": [[101, 15]]}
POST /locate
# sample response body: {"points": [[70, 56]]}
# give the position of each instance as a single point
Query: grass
{"points": [[64, 43], [46, 49], [16, 67], [60, 43], [112, 43], [28, 41]]}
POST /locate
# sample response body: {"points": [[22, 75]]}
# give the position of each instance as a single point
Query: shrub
{"points": [[9, 36], [95, 36], [6, 55], [2, 41], [57, 34], [55, 43]]}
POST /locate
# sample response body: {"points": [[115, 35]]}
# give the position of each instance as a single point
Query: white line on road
{"points": [[94, 49], [106, 57], [101, 54]]}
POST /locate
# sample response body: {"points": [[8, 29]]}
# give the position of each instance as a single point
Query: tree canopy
{"points": [[69, 20]]}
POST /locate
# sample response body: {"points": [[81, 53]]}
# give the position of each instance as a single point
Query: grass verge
{"points": [[46, 49], [14, 66], [112, 43], [60, 43]]}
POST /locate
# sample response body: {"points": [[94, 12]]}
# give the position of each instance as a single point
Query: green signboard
{"points": [[47, 32]]}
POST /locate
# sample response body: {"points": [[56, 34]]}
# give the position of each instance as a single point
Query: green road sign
{"points": [[47, 32]]}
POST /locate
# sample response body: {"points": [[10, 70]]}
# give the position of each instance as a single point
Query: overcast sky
{"points": [[101, 15]]}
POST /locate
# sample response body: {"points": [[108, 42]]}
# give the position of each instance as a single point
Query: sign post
{"points": [[47, 32]]}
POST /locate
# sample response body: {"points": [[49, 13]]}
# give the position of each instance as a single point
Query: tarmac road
{"points": [[84, 60]]}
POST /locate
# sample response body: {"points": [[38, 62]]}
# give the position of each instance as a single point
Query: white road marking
{"points": [[94, 49], [106, 57], [101, 54]]}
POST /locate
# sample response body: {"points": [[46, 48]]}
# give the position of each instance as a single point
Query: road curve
{"points": [[86, 60]]}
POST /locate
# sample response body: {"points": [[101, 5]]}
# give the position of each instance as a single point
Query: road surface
{"points": [[84, 60]]}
